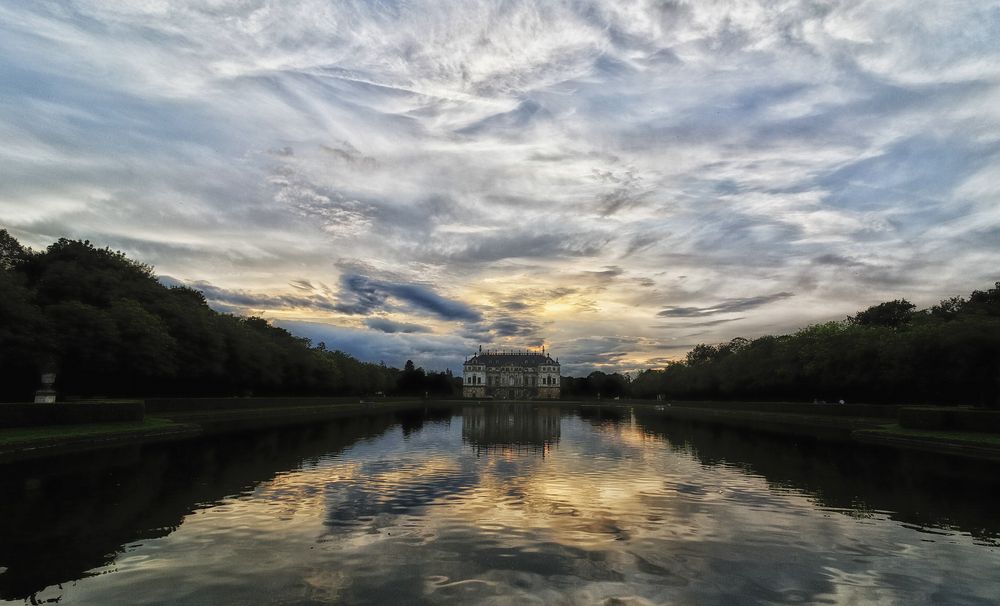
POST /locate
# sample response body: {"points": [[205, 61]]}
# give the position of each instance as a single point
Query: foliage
{"points": [[108, 327], [891, 353], [415, 381], [891, 314], [596, 384], [12, 253]]}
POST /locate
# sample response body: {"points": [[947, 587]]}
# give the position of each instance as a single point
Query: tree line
{"points": [[889, 353], [597, 384], [107, 327]]}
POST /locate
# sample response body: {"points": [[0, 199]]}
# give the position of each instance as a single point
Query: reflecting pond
{"points": [[500, 504]]}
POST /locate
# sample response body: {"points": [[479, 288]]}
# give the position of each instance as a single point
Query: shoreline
{"points": [[882, 430], [205, 417], [62, 439], [22, 443]]}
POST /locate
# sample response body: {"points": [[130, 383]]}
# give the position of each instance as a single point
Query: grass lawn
{"points": [[16, 435], [960, 437]]}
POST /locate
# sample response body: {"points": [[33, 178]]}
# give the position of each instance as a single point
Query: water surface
{"points": [[500, 504]]}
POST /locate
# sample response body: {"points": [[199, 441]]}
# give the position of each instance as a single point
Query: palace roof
{"points": [[515, 358]]}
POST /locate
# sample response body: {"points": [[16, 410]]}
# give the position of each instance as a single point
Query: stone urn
{"points": [[47, 394]]}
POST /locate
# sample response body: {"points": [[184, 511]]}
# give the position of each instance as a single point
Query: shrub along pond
{"points": [[510, 503]]}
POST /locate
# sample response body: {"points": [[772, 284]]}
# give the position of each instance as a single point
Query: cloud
{"points": [[527, 113], [695, 324], [362, 295], [836, 260], [581, 356], [433, 352], [253, 301], [723, 307], [479, 157], [608, 273], [511, 326], [511, 243], [390, 326], [627, 191]]}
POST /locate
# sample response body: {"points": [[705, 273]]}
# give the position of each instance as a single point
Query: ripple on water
{"points": [[605, 518]]}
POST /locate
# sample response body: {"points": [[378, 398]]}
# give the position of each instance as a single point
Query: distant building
{"points": [[511, 375]]}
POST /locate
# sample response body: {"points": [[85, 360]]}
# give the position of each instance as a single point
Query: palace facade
{"points": [[511, 375]]}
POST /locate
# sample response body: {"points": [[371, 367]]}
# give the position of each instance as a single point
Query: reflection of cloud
{"points": [[404, 488], [631, 508]]}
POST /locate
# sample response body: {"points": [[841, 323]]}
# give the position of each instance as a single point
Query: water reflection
{"points": [[477, 504], [924, 490], [63, 516], [511, 427]]}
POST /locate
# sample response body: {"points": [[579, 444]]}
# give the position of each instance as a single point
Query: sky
{"points": [[615, 180]]}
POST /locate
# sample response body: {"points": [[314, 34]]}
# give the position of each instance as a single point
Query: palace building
{"points": [[511, 375]]}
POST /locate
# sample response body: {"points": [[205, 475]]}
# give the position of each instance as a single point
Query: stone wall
{"points": [[548, 393], [474, 391]]}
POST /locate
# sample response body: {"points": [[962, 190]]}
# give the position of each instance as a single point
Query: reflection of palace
{"points": [[510, 426]]}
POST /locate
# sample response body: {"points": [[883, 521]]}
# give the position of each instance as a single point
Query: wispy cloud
{"points": [[723, 307], [697, 324], [390, 326], [311, 298]]}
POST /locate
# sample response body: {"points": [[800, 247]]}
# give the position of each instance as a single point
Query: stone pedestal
{"points": [[46, 395]]}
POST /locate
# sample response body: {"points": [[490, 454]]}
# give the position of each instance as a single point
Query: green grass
{"points": [[957, 437], [17, 435]]}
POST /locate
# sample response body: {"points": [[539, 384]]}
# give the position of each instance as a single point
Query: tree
{"points": [[948, 308], [702, 354], [985, 302], [12, 253], [413, 380], [891, 314]]}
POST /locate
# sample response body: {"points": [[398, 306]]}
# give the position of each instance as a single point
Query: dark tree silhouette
{"points": [[108, 327], [891, 314], [948, 354]]}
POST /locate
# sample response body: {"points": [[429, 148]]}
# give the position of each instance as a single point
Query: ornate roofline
{"points": [[515, 357]]}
